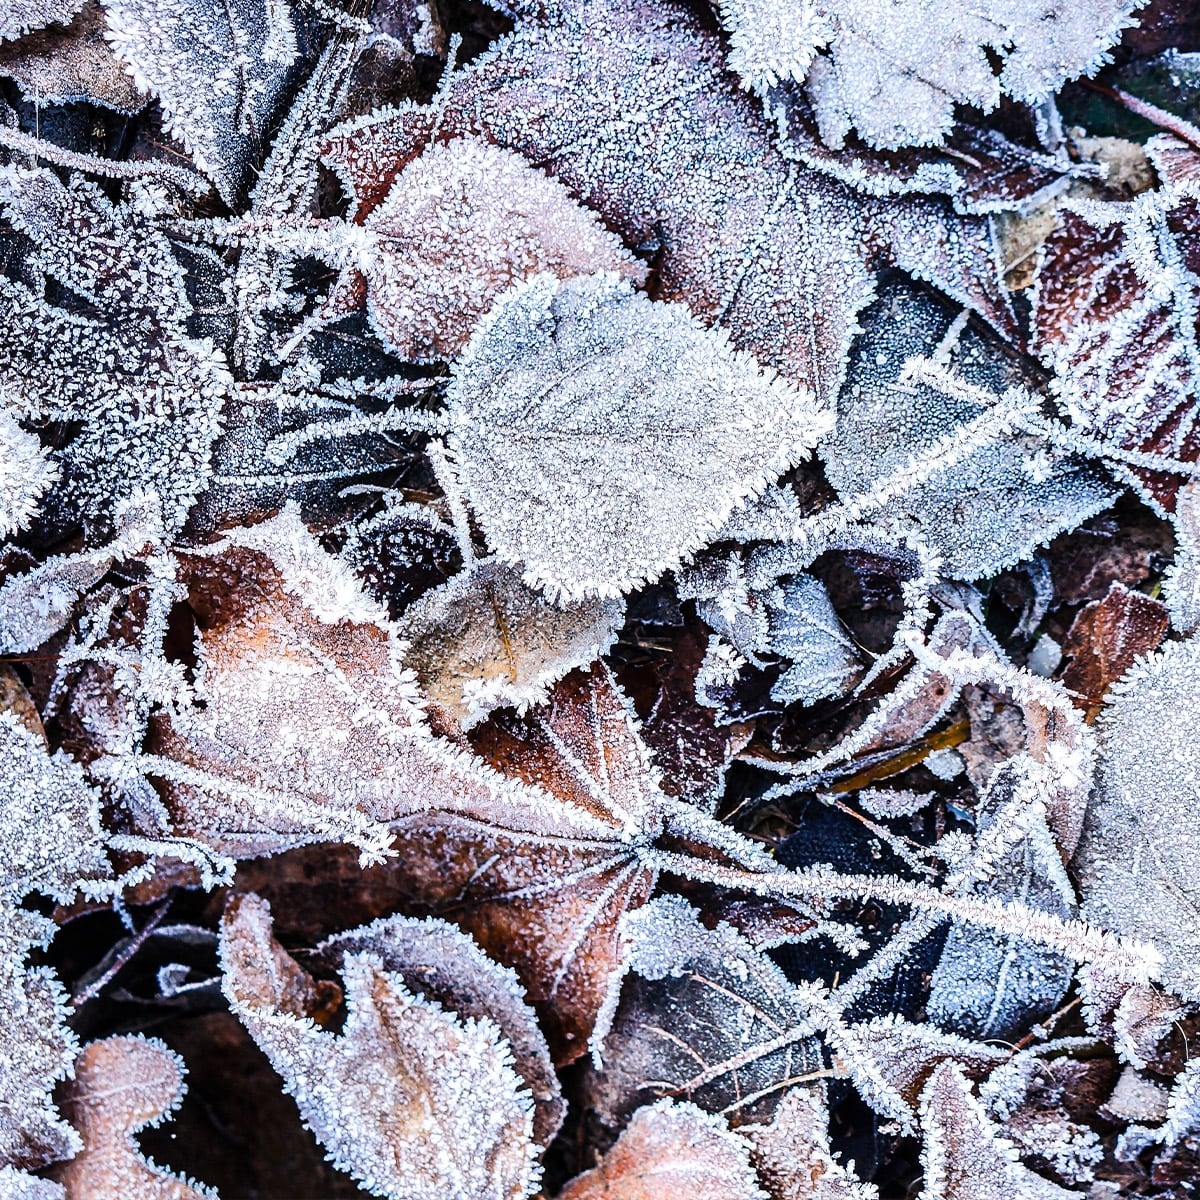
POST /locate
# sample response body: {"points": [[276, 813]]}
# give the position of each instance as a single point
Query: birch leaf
{"points": [[881, 74], [123, 1085], [411, 1100], [218, 70], [563, 386], [630, 107], [671, 1151], [703, 1017], [1137, 859], [461, 224], [485, 640]]}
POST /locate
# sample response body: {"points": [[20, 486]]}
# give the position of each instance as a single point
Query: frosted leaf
{"points": [[805, 629], [461, 224], [485, 640], [543, 883], [988, 985], [1142, 1019], [20, 16], [121, 1086], [49, 821], [793, 1155], [995, 497], [310, 727], [1137, 860], [671, 1151], [39, 1048], [882, 74], [17, 1185], [1115, 312], [738, 1035], [441, 963], [965, 1157], [25, 474], [629, 105], [218, 70], [413, 1101], [1181, 585], [147, 396], [66, 65], [584, 383]]}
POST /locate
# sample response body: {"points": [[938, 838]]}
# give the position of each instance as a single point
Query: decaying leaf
{"points": [[671, 1151], [122, 1085], [409, 1098], [1105, 639], [588, 379], [1137, 860], [485, 640], [881, 74]]}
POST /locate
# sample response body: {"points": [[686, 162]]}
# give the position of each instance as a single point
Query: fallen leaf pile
{"points": [[599, 600]]}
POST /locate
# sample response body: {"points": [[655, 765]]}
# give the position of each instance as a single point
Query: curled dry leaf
{"points": [[1105, 639], [485, 640], [410, 1099], [564, 384], [122, 1085], [622, 103], [671, 1151], [1137, 862]]}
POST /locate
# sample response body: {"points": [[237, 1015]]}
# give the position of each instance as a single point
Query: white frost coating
{"points": [[884, 75], [485, 640], [17, 1185], [218, 69], [566, 384], [25, 473], [411, 1101], [1138, 862], [18, 17]]}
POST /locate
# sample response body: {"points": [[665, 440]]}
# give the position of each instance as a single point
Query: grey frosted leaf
{"points": [[20, 16], [1138, 861], [39, 1048], [602, 438], [991, 504], [438, 961], [413, 1101], [704, 1017], [64, 65], [49, 820], [805, 629], [219, 70], [485, 640], [873, 67]]}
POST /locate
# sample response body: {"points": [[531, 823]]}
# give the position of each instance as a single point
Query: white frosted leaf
{"points": [[218, 70], [20, 16], [413, 1101], [873, 67], [485, 640], [1138, 861], [602, 438], [17, 1185], [25, 474]]}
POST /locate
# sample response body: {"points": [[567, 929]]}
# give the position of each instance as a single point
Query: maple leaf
{"points": [[1114, 316], [565, 384], [65, 65], [218, 70], [1136, 861], [120, 1086], [409, 1098], [671, 1151], [146, 396], [880, 74], [1104, 640], [965, 1157], [621, 102], [337, 746], [485, 640]]}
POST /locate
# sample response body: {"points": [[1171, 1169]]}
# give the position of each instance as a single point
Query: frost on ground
{"points": [[599, 599]]}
